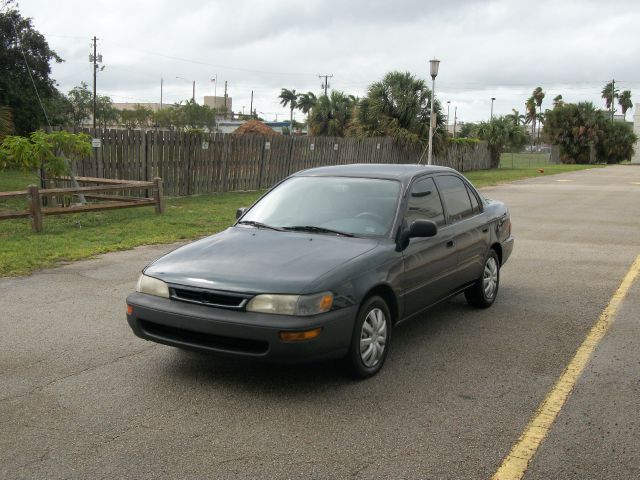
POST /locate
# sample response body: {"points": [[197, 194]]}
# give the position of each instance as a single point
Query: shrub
{"points": [[616, 143]]}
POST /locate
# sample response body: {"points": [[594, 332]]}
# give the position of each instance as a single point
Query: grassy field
{"points": [[73, 237]]}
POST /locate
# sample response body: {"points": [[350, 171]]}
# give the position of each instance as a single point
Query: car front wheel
{"points": [[483, 293], [370, 339]]}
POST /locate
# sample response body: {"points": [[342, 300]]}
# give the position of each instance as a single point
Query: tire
{"points": [[372, 331], [483, 293]]}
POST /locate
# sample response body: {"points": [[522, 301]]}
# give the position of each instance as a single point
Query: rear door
{"points": [[428, 262], [469, 231]]}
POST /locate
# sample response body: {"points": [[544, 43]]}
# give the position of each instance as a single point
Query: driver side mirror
{"points": [[418, 229], [240, 212], [423, 228]]}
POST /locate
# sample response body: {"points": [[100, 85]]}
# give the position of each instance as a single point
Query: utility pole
{"points": [[193, 95], [325, 84], [251, 107], [455, 120], [161, 86], [225, 99], [492, 100]]}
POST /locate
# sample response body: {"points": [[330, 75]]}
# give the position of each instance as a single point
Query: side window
{"points": [[474, 200], [455, 196], [424, 203]]}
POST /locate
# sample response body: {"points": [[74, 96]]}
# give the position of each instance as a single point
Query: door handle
{"points": [[485, 229], [450, 244]]}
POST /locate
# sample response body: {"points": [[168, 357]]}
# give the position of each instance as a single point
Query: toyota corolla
{"points": [[326, 265]]}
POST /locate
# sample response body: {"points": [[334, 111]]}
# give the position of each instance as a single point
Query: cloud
{"points": [[499, 48]]}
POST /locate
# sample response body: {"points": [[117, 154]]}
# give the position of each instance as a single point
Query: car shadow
{"points": [[412, 337]]}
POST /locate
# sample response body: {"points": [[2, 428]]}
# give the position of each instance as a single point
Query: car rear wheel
{"points": [[483, 293], [370, 339]]}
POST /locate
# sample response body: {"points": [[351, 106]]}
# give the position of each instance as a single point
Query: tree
{"points": [[557, 101], [17, 35], [289, 98], [617, 142], [530, 105], [50, 151], [140, 116], [331, 115], [399, 106], [80, 104], [624, 100], [538, 95], [306, 101], [500, 133], [575, 128], [106, 114], [516, 117], [610, 93], [6, 122]]}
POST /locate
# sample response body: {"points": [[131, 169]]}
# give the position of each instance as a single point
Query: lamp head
{"points": [[434, 64]]}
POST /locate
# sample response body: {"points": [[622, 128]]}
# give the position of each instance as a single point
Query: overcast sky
{"points": [[501, 49]]}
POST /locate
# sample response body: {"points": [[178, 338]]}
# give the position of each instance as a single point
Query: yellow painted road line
{"points": [[515, 464], [564, 180]]}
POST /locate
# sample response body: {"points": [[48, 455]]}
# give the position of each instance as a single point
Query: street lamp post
{"points": [[492, 100], [448, 105], [433, 64]]}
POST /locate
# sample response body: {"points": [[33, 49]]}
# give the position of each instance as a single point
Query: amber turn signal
{"points": [[300, 336], [129, 310]]}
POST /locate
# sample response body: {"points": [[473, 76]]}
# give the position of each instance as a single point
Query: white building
{"points": [[218, 103]]}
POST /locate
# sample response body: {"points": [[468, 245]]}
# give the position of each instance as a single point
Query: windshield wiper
{"points": [[258, 225], [314, 229]]}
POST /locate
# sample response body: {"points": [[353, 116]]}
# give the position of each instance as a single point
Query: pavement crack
{"points": [[74, 374]]}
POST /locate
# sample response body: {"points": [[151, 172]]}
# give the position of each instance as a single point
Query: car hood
{"points": [[254, 260]]}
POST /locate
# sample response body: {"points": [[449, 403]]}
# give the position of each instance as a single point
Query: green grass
{"points": [[73, 237], [524, 160]]}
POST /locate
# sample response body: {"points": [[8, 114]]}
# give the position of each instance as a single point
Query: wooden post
{"points": [[157, 193], [35, 207]]}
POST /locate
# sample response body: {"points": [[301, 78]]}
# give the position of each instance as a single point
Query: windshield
{"points": [[332, 205]]}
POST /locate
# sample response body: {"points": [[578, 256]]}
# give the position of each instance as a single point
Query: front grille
{"points": [[212, 298], [207, 340]]}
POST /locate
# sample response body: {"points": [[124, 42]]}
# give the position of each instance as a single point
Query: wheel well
{"points": [[498, 249], [387, 294]]}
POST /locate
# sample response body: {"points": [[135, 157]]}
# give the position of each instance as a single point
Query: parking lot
{"points": [[82, 397]]}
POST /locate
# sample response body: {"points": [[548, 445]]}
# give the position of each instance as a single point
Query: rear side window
{"points": [[474, 200], [424, 203], [455, 196]]}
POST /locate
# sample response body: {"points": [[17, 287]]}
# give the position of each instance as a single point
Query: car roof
{"points": [[402, 172]]}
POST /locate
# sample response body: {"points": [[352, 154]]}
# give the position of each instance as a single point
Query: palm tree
{"points": [[331, 115], [609, 93], [538, 95], [306, 101], [530, 105], [289, 98], [624, 100], [557, 101], [399, 106], [516, 117]]}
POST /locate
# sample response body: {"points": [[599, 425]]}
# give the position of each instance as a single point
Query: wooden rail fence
{"points": [[207, 163], [35, 196]]}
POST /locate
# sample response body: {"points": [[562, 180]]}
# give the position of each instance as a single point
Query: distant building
{"points": [[218, 103], [636, 129]]}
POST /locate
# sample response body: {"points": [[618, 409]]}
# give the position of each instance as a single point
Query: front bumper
{"points": [[239, 333]]}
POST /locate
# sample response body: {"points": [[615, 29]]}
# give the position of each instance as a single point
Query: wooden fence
{"points": [[104, 193], [196, 163]]}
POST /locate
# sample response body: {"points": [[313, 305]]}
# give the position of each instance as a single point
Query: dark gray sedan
{"points": [[326, 265]]}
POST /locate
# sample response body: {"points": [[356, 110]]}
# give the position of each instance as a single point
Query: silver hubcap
{"points": [[373, 337], [490, 278]]}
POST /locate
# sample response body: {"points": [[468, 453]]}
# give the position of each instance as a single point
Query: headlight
{"points": [[303, 305], [152, 286]]}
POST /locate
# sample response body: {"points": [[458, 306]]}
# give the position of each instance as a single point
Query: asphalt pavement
{"points": [[82, 397]]}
